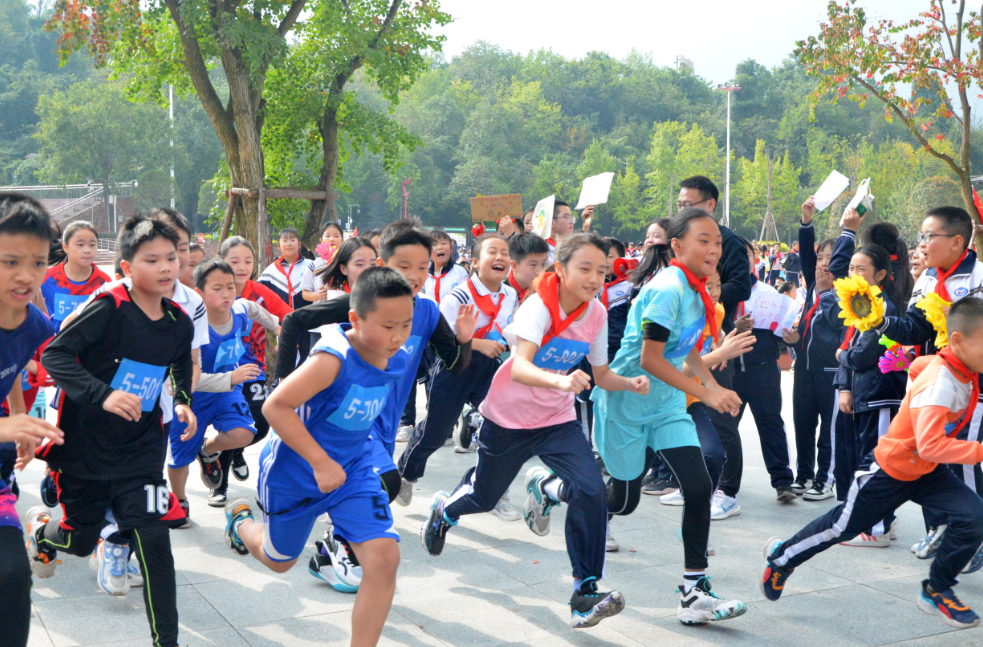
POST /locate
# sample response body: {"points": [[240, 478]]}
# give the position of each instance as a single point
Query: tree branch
{"points": [[290, 19]]}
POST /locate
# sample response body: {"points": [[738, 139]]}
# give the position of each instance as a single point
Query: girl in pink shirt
{"points": [[529, 412]]}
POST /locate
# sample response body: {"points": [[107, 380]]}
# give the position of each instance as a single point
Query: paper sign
{"points": [[595, 190], [542, 217], [492, 208], [831, 189], [771, 310]]}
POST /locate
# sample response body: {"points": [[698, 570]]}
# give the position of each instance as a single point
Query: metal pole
{"points": [[727, 182], [170, 94]]}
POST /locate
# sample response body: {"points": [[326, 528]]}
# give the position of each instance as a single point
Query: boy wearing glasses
{"points": [[563, 221], [953, 272]]}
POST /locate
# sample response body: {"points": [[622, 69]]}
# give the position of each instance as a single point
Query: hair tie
{"points": [[894, 257]]}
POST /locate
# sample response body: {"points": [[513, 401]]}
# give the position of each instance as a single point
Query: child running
{"points": [[318, 461], [114, 438], [68, 284], [444, 274], [313, 284], [529, 412], [24, 238], [664, 325], [528, 254], [908, 466], [219, 401]]}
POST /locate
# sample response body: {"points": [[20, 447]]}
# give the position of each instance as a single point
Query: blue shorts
{"points": [[223, 411], [381, 455], [359, 511], [622, 445]]}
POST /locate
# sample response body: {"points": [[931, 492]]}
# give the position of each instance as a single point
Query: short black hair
{"points": [[403, 232], [525, 243], [556, 206], [195, 247], [440, 234], [704, 185], [965, 316], [289, 231], [955, 221], [139, 230], [479, 242], [177, 220], [118, 265], [617, 244], [208, 266], [21, 214], [786, 287], [377, 283]]}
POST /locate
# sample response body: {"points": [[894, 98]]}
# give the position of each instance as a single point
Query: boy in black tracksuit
{"points": [[792, 266], [813, 394], [115, 442]]}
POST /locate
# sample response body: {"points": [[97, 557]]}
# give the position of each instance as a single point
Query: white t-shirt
{"points": [[310, 282], [461, 296]]}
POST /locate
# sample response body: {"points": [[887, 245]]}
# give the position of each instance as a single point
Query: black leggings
{"points": [[15, 582], [262, 429], [686, 464]]}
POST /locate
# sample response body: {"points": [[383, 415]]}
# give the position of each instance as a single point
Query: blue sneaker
{"points": [[773, 578], [432, 533], [113, 559], [927, 547], [588, 606], [946, 606], [975, 564], [236, 511]]}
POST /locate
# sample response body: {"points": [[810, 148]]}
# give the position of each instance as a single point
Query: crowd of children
{"points": [[621, 375]]}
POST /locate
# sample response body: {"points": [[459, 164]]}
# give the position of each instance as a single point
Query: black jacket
{"points": [[735, 275], [859, 372], [792, 262], [816, 350]]}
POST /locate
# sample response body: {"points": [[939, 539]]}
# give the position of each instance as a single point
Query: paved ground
{"points": [[498, 584]]}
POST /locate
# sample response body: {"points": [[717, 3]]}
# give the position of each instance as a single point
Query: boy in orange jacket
{"points": [[909, 465]]}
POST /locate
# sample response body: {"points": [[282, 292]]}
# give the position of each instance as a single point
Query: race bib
{"points": [[412, 344], [687, 339], [560, 354], [495, 335], [143, 380], [65, 304], [228, 354], [25, 384], [360, 407]]}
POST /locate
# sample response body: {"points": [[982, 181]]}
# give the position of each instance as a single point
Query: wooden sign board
{"points": [[493, 207]]}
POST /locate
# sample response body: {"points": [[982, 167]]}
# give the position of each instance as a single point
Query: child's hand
{"points": [[723, 400], [575, 382], [736, 344], [639, 385], [790, 336], [21, 427], [488, 348], [824, 280], [838, 352], [467, 321], [744, 324], [808, 210], [846, 402], [184, 413], [852, 219], [322, 294], [329, 476], [125, 405], [588, 215], [245, 373]]}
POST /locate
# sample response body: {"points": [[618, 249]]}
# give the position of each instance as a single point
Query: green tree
{"points": [[663, 174], [755, 185], [627, 200]]}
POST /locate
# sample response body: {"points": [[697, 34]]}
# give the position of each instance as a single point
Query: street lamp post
{"points": [[358, 209], [728, 88]]}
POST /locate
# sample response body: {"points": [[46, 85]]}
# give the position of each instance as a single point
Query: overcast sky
{"points": [[714, 34]]}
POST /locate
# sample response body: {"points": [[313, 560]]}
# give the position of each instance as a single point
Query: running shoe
{"points": [[42, 562], [785, 493], [947, 607], [611, 544], [701, 605], [132, 570], [504, 509], [723, 506], [654, 486], [240, 469], [433, 532], [976, 563], [187, 513], [334, 563], [113, 560], [818, 492], [588, 606], [404, 433], [49, 493], [405, 496], [863, 540], [801, 486], [236, 511], [464, 431], [927, 547], [211, 471], [774, 577], [218, 498], [673, 498], [536, 511]]}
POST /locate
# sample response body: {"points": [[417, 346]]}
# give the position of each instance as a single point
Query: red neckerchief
{"points": [[515, 285], [290, 286], [488, 307], [548, 290], [700, 287], [551, 242], [436, 277], [809, 314], [346, 288], [604, 292], [940, 288], [850, 332], [953, 361]]}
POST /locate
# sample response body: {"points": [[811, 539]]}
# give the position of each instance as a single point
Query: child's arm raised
{"points": [[310, 378], [710, 393]]}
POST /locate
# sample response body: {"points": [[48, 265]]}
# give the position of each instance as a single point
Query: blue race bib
{"points": [[496, 336], [228, 354], [144, 380], [65, 304], [25, 385], [360, 407], [687, 339], [560, 354], [412, 344]]}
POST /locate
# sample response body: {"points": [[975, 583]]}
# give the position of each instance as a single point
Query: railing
{"points": [[90, 199]]}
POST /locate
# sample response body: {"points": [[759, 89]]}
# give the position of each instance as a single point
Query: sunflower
{"points": [[860, 304], [932, 304]]}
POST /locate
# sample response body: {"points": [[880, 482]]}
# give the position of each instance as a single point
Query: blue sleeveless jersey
{"points": [[19, 345], [339, 417]]}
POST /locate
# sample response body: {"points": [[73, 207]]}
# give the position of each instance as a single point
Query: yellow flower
{"points": [[860, 304], [932, 304]]}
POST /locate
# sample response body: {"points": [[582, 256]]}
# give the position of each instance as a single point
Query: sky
{"points": [[715, 34]]}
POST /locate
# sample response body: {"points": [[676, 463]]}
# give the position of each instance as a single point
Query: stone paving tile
{"points": [[335, 629]]}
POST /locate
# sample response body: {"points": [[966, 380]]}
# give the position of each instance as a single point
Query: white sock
{"points": [[690, 580], [552, 489]]}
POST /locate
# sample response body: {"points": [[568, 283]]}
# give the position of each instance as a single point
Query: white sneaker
{"points": [[611, 544], [723, 506], [926, 547], [863, 540], [536, 510], [504, 509], [42, 562], [113, 560], [405, 496], [701, 605], [818, 492], [673, 498], [892, 532], [404, 433]]}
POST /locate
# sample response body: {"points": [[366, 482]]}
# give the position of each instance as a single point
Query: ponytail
{"points": [[888, 236]]}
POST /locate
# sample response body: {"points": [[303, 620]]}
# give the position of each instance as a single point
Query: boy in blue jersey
{"points": [[25, 229], [317, 462], [219, 401]]}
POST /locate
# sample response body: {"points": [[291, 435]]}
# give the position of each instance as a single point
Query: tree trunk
{"points": [[966, 189], [322, 210]]}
